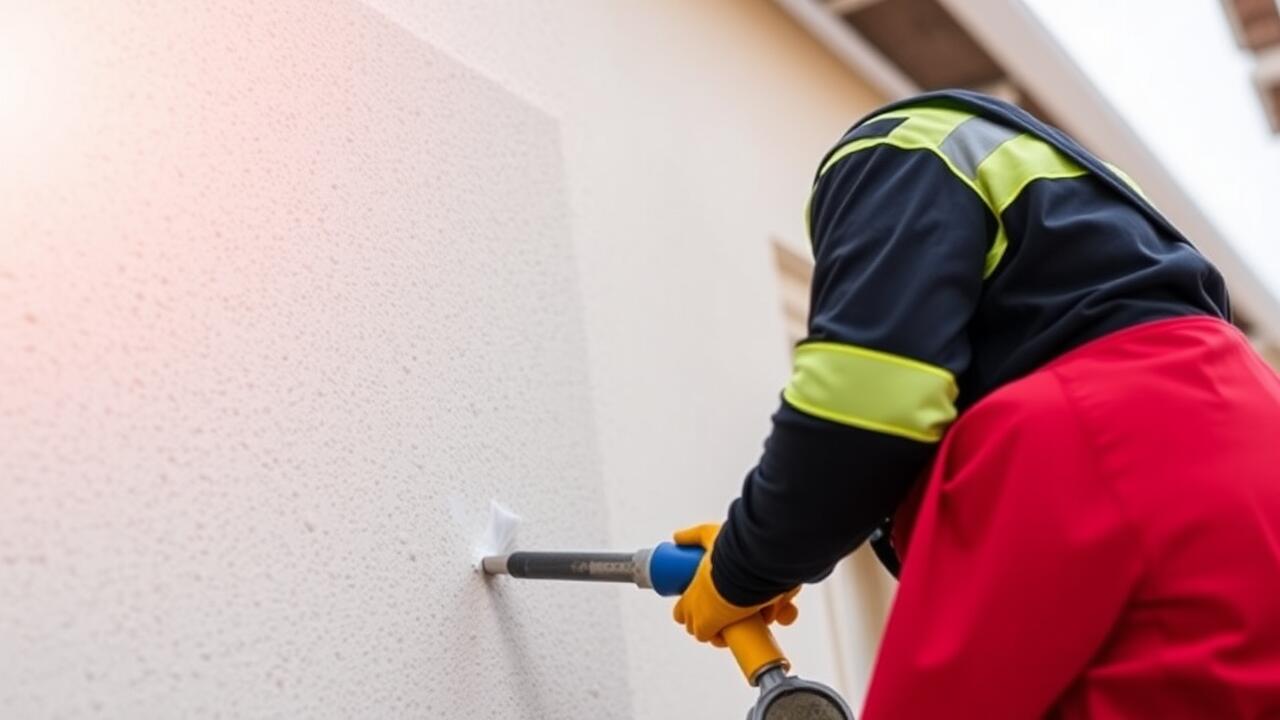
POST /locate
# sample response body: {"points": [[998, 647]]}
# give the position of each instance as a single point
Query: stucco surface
{"points": [[286, 296], [691, 133]]}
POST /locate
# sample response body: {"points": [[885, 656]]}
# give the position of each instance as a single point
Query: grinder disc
{"points": [[804, 705], [791, 698]]}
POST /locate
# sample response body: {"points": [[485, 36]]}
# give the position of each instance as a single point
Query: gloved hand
{"points": [[701, 609]]}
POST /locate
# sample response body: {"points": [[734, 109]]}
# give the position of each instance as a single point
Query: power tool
{"points": [[668, 569]]}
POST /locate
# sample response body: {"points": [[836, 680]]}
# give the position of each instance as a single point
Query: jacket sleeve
{"points": [[899, 246]]}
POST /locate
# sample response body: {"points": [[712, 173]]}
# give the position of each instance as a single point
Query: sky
{"points": [[1174, 71]]}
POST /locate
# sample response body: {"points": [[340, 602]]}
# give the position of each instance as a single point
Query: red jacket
{"points": [[1100, 539]]}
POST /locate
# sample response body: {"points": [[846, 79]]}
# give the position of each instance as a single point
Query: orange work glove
{"points": [[701, 609]]}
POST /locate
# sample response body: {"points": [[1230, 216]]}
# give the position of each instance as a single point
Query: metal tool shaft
{"points": [[590, 566]]}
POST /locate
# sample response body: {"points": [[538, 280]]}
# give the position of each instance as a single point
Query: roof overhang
{"points": [[1255, 24]]}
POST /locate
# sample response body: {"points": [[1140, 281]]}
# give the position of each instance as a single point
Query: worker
{"points": [[1017, 359]]}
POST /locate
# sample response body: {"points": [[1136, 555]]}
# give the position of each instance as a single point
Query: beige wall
{"points": [[691, 131], [286, 296], [294, 289]]}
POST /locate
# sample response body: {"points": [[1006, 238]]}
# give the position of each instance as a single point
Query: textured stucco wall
{"points": [[289, 290], [691, 132], [286, 295]]}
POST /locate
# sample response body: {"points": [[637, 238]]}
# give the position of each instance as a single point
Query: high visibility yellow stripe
{"points": [[927, 124], [924, 129], [863, 144], [1133, 184], [808, 219], [998, 180], [1008, 171], [872, 390], [1016, 164]]}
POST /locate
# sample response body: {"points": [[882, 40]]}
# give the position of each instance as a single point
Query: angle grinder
{"points": [[668, 569]]}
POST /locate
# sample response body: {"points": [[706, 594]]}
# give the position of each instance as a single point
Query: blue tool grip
{"points": [[671, 567]]}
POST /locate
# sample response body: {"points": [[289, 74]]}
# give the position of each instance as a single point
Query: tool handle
{"points": [[672, 568], [754, 647]]}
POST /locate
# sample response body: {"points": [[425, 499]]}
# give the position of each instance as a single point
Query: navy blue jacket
{"points": [[959, 244]]}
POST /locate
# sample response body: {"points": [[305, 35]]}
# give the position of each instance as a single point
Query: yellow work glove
{"points": [[701, 609]]}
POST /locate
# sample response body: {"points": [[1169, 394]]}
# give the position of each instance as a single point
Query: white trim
{"points": [[858, 595], [848, 7], [850, 47], [1002, 89], [1237, 26], [1266, 75]]}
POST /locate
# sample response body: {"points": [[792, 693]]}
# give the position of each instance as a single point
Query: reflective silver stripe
{"points": [[972, 141]]}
